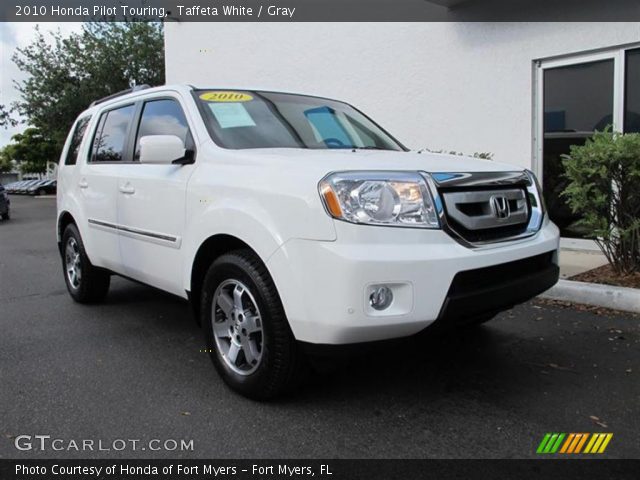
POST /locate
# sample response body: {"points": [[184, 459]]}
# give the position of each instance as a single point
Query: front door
{"points": [[151, 202]]}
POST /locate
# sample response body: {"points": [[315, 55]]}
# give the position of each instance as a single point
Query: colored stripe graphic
{"points": [[555, 447], [594, 437], [605, 442], [581, 442], [567, 443], [596, 445], [573, 443], [543, 443], [550, 443]]}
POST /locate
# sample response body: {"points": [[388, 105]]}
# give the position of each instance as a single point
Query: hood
{"points": [[331, 160]]}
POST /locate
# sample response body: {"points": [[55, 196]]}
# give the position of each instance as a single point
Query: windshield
{"points": [[252, 119]]}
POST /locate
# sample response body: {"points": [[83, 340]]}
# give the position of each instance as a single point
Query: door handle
{"points": [[127, 189], [83, 183]]}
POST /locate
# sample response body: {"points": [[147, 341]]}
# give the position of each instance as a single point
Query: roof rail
{"points": [[119, 94]]}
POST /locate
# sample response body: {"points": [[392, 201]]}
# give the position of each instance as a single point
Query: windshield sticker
{"points": [[230, 115], [226, 97], [328, 127]]}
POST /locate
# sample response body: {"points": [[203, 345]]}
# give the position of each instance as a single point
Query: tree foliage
{"points": [[5, 117], [6, 165], [66, 73], [604, 188], [31, 150]]}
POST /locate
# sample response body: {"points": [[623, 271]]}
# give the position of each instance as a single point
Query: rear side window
{"points": [[76, 140], [111, 135], [162, 117]]}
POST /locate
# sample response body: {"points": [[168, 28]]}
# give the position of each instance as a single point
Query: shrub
{"points": [[604, 188]]}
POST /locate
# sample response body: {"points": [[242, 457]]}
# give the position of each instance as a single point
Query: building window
{"points": [[576, 96], [578, 100], [632, 91]]}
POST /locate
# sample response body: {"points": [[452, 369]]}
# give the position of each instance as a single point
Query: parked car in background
{"points": [[25, 186], [5, 204], [12, 187], [45, 187]]}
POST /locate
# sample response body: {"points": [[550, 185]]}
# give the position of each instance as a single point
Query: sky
{"points": [[12, 36]]}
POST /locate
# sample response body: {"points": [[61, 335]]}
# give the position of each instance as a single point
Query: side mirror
{"points": [[164, 149]]}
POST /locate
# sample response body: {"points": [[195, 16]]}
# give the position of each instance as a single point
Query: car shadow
{"points": [[484, 361], [474, 362]]}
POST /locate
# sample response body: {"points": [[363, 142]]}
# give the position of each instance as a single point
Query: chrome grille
{"points": [[483, 208]]}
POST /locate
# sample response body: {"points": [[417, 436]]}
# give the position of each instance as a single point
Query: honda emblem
{"points": [[500, 207]]}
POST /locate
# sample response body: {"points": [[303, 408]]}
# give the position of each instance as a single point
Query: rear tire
{"points": [[6, 216], [85, 283], [247, 332]]}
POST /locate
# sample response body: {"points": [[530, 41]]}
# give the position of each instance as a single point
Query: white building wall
{"points": [[455, 86]]}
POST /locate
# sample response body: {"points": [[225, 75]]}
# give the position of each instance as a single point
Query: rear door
{"points": [[151, 199], [98, 184]]}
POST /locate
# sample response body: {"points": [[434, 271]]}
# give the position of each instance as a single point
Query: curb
{"points": [[607, 296]]}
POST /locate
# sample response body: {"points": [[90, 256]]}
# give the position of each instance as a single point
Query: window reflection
{"points": [[578, 99], [632, 92]]}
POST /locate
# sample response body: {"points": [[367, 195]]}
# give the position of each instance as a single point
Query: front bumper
{"points": [[324, 286]]}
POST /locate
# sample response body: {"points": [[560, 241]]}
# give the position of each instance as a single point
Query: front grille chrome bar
{"points": [[450, 191], [484, 209]]}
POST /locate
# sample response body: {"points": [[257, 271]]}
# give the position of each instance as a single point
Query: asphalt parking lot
{"points": [[132, 368]]}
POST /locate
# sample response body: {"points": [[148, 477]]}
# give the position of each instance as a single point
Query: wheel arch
{"points": [[210, 249], [64, 219]]}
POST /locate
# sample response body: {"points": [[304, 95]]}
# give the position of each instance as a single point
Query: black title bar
{"points": [[318, 10], [317, 469]]}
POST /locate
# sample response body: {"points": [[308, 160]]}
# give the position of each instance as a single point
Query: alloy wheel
{"points": [[237, 327], [73, 263]]}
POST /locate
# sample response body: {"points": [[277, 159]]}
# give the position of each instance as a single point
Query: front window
{"points": [[162, 117], [252, 119]]}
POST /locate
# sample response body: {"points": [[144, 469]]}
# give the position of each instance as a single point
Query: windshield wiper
{"points": [[368, 147]]}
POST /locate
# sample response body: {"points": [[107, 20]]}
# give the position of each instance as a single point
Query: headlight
{"points": [[398, 199]]}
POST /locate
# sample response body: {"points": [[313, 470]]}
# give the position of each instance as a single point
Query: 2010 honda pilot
{"points": [[292, 220]]}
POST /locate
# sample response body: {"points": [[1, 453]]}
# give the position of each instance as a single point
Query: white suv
{"points": [[291, 222]]}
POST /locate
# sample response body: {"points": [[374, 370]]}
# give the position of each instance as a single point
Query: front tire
{"points": [[247, 332], [6, 216], [85, 283]]}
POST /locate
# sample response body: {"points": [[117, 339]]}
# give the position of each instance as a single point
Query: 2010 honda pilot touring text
{"points": [[291, 221]]}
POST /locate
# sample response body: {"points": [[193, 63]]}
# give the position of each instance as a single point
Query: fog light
{"points": [[381, 297]]}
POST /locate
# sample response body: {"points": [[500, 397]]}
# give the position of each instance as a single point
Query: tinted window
{"points": [[111, 136], [76, 140], [632, 103], [162, 117], [578, 99]]}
